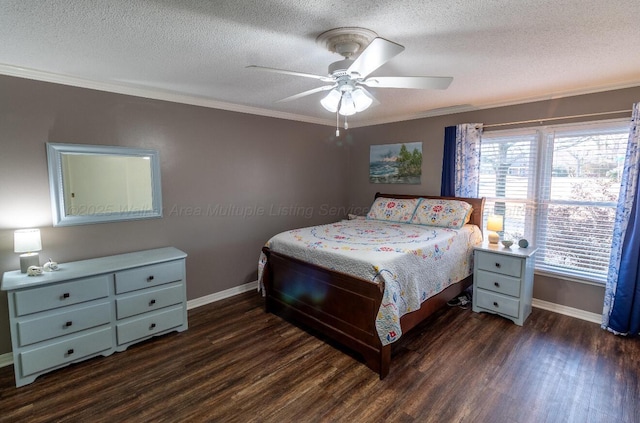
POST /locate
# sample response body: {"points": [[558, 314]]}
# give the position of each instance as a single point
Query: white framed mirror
{"points": [[97, 184]]}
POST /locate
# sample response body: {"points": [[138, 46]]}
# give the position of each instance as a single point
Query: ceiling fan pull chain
{"points": [[346, 125], [337, 124]]}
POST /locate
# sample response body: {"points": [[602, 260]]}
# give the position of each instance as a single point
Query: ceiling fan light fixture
{"points": [[347, 106], [363, 53], [331, 100], [361, 99]]}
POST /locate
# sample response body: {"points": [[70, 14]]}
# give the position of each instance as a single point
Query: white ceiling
{"points": [[195, 51]]}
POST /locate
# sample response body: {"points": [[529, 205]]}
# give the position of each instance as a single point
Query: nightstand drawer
{"points": [[498, 283], [61, 295], [69, 350], [499, 263], [60, 324], [146, 276], [498, 303], [149, 299], [150, 325]]}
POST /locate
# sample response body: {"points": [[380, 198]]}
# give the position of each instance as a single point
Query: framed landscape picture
{"points": [[395, 163]]}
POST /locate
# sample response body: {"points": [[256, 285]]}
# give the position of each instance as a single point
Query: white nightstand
{"points": [[503, 281]]}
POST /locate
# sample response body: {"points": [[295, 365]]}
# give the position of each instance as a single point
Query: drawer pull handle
{"points": [[152, 326], [69, 323], [65, 296], [150, 278], [498, 265], [152, 302], [495, 304], [70, 351], [496, 284]]}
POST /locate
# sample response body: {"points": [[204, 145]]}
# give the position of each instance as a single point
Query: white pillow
{"points": [[442, 213], [393, 209]]}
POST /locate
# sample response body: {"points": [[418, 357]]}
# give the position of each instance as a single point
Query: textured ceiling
{"points": [[195, 51]]}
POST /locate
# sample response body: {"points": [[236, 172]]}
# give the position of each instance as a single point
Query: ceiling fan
{"points": [[363, 53]]}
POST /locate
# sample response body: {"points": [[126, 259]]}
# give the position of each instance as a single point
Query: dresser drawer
{"points": [[498, 303], [146, 276], [499, 263], [71, 349], [63, 323], [62, 294], [149, 324], [149, 299], [498, 283]]}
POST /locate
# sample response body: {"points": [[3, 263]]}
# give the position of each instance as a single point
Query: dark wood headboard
{"points": [[476, 203]]}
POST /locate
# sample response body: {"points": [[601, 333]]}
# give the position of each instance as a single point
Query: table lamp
{"points": [[494, 225], [27, 241]]}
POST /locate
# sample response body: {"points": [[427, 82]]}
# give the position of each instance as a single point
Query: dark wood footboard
{"points": [[339, 306]]}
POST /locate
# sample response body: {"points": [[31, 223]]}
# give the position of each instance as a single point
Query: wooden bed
{"points": [[349, 306]]}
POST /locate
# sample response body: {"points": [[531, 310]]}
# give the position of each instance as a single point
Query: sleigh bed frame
{"points": [[344, 307]]}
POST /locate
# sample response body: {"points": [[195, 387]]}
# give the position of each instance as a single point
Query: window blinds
{"points": [[557, 186], [578, 197]]}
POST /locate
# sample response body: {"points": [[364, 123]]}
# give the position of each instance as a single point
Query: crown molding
{"points": [[164, 95], [151, 93], [494, 105]]}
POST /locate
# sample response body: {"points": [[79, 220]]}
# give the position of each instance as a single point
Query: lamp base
{"points": [[29, 259], [494, 238]]}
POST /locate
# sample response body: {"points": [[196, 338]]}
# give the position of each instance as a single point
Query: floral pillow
{"points": [[444, 213], [393, 209]]}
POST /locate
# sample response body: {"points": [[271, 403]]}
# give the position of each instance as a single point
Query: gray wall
{"points": [[208, 157], [294, 171], [430, 131]]}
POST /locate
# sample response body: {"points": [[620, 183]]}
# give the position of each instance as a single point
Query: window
{"points": [[557, 186]]}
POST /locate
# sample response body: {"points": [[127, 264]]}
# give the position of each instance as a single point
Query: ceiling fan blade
{"points": [[306, 93], [414, 82], [377, 53], [287, 72]]}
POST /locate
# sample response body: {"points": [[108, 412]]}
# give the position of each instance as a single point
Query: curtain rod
{"points": [[556, 118]]}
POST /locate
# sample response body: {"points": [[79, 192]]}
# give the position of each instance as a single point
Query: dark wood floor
{"points": [[238, 364]]}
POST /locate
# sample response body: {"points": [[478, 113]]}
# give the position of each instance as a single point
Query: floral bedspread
{"points": [[415, 262]]}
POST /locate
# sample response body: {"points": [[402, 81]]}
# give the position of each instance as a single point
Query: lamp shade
{"points": [[347, 106], [494, 223], [27, 241], [361, 99], [331, 101]]}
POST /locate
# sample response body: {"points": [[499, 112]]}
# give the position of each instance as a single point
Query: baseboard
{"points": [[6, 359], [567, 311], [227, 293]]}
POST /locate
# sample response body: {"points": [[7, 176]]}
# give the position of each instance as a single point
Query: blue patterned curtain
{"points": [[448, 185], [621, 313], [467, 159]]}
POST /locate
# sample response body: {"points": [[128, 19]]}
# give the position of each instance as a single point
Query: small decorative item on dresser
{"points": [[50, 266], [523, 243], [34, 271], [507, 243]]}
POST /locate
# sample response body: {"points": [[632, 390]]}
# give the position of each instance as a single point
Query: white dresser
{"points": [[93, 307], [503, 281]]}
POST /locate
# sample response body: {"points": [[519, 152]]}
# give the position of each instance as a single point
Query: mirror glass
{"points": [[94, 184]]}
